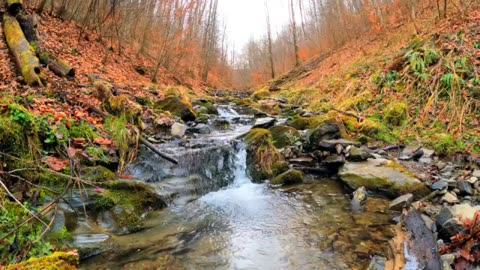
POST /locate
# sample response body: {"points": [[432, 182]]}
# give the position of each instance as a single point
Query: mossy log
{"points": [[24, 54], [14, 6], [28, 25], [59, 67]]}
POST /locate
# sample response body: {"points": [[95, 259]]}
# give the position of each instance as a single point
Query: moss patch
{"points": [[284, 136], [395, 113], [261, 154], [290, 177], [177, 107], [98, 174], [56, 261]]}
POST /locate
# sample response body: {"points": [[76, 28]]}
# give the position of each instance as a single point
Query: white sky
{"points": [[247, 18]]}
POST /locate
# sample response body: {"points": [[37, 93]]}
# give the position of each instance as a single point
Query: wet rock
{"points": [[358, 154], [221, 123], [383, 176], [266, 122], [334, 161], [464, 187], [450, 197], [178, 130], [290, 177], [199, 129], [303, 160], [321, 133], [331, 145], [284, 136], [359, 197], [440, 185], [401, 202], [177, 107], [377, 263]]}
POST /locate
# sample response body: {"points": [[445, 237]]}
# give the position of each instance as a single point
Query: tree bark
{"points": [[25, 58], [14, 6], [59, 67]]}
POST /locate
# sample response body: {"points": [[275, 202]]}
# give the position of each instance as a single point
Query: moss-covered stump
{"points": [[177, 107], [261, 154], [98, 174], [56, 261], [127, 202], [284, 136], [291, 177], [382, 176]]}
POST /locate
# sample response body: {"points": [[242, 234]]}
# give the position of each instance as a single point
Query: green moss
{"points": [[97, 174], [395, 113], [173, 92], [82, 130], [284, 136], [123, 107], [177, 107], [261, 154], [56, 261], [261, 94], [290, 177], [302, 123], [280, 167], [202, 118]]}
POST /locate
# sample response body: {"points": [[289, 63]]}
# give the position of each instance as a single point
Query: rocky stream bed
{"points": [[253, 191]]}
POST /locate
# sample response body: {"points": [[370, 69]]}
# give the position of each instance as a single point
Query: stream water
{"points": [[219, 219]]}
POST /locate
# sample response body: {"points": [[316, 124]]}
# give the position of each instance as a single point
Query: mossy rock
{"points": [[202, 118], [56, 261], [323, 132], [291, 177], [284, 136], [98, 174], [128, 201], [395, 113], [261, 154], [261, 94], [280, 167], [208, 108], [173, 92], [177, 107], [303, 123], [268, 107], [123, 106], [12, 137], [384, 177]]}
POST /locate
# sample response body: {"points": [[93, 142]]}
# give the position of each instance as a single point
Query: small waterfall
{"points": [[207, 163]]}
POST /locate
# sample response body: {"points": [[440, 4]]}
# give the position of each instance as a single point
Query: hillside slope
{"points": [[403, 88]]}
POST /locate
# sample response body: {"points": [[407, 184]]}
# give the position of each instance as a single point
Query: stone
{"points": [[383, 176], [199, 129], [330, 145], [442, 217], [177, 107], [375, 145], [463, 211], [377, 263], [440, 185], [447, 261], [472, 180], [450, 228], [285, 136], [401, 202], [290, 177], [321, 133], [334, 161], [476, 173], [359, 197], [464, 187], [450, 198], [178, 130], [358, 154], [428, 221], [266, 122]]}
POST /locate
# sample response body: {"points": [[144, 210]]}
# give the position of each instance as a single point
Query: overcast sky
{"points": [[246, 18]]}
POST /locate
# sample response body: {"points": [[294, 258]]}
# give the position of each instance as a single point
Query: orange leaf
{"points": [[102, 141], [56, 164]]}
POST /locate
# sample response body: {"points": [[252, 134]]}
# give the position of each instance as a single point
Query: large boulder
{"points": [[284, 136], [262, 155], [177, 107], [382, 176]]}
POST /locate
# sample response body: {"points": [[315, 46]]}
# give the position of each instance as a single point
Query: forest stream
{"points": [[218, 219]]}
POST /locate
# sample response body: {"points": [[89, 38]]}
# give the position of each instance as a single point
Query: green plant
{"points": [[82, 130]]}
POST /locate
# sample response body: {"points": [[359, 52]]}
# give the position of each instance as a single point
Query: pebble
{"points": [[472, 180], [440, 185], [401, 202], [450, 198], [465, 188], [476, 173]]}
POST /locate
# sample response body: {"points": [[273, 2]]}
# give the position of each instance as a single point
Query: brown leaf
{"points": [[55, 164], [102, 141]]}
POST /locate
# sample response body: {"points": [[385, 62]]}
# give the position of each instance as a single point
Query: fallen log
{"points": [[25, 58], [56, 65], [14, 6], [59, 67]]}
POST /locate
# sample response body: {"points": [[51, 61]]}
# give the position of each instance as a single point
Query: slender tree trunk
{"points": [[269, 36], [294, 33]]}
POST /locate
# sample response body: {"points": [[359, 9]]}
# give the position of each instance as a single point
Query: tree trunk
{"points": [[41, 6], [14, 6], [25, 57], [28, 26]]}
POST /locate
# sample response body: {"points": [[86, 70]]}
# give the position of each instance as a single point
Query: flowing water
{"points": [[219, 219]]}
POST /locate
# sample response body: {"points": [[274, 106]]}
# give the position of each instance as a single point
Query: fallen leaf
{"points": [[102, 141], [55, 164]]}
